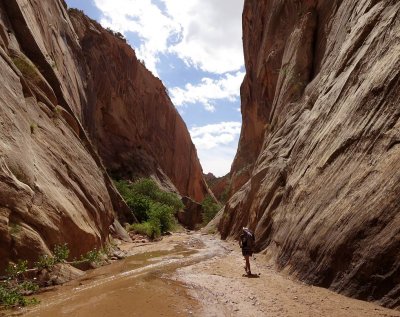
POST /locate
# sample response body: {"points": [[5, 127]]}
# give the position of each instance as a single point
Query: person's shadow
{"points": [[252, 275]]}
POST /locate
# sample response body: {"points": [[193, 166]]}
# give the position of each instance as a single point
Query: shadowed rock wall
{"points": [[319, 152]]}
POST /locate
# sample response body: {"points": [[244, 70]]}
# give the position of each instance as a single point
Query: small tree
{"points": [[153, 207], [210, 209]]}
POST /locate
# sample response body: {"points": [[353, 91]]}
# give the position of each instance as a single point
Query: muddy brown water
{"points": [[136, 286], [193, 275]]}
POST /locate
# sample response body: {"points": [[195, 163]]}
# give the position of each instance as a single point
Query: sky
{"points": [[195, 48]]}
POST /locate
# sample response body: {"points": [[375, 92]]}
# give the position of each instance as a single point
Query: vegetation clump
{"points": [[14, 287], [33, 128], [60, 255], [153, 208], [92, 256], [210, 209], [225, 194], [27, 68], [74, 10], [14, 228], [18, 282], [57, 111], [117, 34]]}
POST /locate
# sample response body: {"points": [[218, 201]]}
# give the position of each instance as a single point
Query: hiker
{"points": [[246, 242]]}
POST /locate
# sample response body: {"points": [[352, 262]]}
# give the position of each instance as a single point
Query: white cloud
{"points": [[205, 34], [211, 33], [216, 146], [212, 135], [217, 160], [209, 90], [143, 18]]}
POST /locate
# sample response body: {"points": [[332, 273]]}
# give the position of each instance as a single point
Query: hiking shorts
{"points": [[247, 252]]}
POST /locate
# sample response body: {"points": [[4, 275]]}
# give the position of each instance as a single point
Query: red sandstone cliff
{"points": [[319, 150], [220, 186], [53, 186], [130, 117]]}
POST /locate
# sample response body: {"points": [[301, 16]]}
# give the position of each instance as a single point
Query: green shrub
{"points": [[61, 253], [152, 207], [210, 209], [13, 289], [14, 270], [137, 203], [93, 256], [169, 199], [162, 214], [27, 69], [161, 219], [140, 206], [45, 262], [17, 284], [140, 228], [33, 127], [28, 287], [225, 194], [11, 297], [124, 188], [146, 187], [150, 229], [107, 250]]}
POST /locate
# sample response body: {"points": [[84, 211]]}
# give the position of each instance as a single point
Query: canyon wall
{"points": [[319, 152], [58, 80], [53, 187], [220, 186], [130, 117]]}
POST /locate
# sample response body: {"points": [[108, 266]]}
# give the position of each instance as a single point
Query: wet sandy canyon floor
{"points": [[192, 275]]}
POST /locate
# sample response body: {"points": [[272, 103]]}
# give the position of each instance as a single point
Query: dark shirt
{"points": [[243, 242]]}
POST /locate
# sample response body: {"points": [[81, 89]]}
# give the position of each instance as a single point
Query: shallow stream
{"points": [[135, 286]]}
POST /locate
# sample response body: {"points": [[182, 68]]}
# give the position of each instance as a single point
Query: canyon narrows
{"points": [[316, 174]]}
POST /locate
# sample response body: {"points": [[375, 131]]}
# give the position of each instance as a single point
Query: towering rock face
{"points": [[53, 186], [320, 142], [130, 117]]}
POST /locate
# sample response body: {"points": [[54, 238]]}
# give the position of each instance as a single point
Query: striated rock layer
{"points": [[57, 81], [320, 145]]}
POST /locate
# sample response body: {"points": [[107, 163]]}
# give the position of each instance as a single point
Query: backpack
{"points": [[248, 239]]}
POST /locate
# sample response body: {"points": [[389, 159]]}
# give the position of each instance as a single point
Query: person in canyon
{"points": [[246, 242]]}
